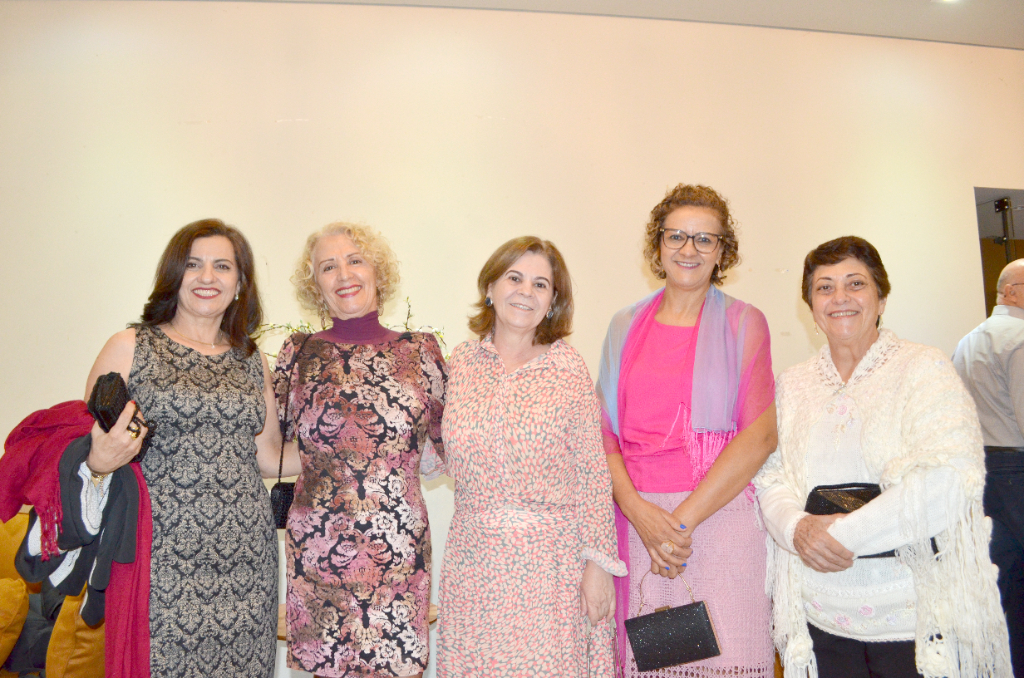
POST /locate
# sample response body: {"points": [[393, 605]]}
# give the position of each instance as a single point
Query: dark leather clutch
{"points": [[846, 498], [107, 400], [678, 635], [106, 403]]}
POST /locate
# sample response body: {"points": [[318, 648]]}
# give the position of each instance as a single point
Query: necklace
{"points": [[196, 341]]}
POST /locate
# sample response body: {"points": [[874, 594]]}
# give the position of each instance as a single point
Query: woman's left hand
{"points": [[818, 549], [597, 593]]}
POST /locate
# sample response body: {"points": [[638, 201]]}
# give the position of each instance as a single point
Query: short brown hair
{"points": [[550, 329], [374, 247], [243, 316], [691, 195], [849, 246]]}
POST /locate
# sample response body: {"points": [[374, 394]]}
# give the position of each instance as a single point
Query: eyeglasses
{"points": [[705, 243]]}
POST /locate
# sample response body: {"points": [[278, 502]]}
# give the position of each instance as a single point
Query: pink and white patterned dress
{"points": [[358, 541], [533, 503]]}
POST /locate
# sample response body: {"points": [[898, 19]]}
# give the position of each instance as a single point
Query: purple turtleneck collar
{"points": [[364, 330]]}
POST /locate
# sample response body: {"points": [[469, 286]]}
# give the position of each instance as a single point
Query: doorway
{"points": [[1000, 232]]}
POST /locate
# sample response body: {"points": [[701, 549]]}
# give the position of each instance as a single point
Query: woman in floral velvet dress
{"points": [[363, 402], [526, 585]]}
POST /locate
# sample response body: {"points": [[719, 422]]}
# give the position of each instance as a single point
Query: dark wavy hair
{"points": [[550, 329], [690, 195], [847, 247], [242, 317]]}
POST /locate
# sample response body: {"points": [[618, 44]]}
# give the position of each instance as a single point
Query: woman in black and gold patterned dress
{"points": [[205, 392]]}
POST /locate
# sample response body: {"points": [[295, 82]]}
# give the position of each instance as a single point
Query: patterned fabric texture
{"points": [[532, 502], [213, 594], [358, 540]]}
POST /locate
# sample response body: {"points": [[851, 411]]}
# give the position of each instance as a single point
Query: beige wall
{"points": [[453, 130]]}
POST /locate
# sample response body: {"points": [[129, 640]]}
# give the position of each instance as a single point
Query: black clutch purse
{"points": [[282, 494], [106, 402], [672, 635], [846, 498]]}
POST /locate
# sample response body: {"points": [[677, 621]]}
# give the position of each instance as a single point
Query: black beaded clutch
{"points": [[672, 636], [281, 496]]}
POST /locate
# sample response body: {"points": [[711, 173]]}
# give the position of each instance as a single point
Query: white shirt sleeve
{"points": [[94, 499], [875, 527], [782, 510], [1015, 379]]}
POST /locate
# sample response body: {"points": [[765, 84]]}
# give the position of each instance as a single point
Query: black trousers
{"points": [[1004, 503], [845, 658]]}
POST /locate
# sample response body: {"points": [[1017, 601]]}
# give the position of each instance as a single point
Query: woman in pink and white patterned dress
{"points": [[526, 584]]}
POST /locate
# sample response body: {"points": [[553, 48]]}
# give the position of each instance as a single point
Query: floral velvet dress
{"points": [[358, 541]]}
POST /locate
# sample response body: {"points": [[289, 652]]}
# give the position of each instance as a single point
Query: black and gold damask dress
{"points": [[213, 590]]}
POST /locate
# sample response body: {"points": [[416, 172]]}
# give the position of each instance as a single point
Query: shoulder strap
{"points": [[287, 400]]}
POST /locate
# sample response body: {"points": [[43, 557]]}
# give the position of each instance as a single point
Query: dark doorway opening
{"points": [[1000, 232]]}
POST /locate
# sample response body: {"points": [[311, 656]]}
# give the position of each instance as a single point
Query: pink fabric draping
{"points": [[650, 469]]}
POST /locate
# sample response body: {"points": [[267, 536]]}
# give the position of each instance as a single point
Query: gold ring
{"points": [[134, 433], [667, 547]]}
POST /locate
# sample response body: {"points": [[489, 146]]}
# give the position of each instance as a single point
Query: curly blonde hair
{"points": [[374, 247], [685, 195]]}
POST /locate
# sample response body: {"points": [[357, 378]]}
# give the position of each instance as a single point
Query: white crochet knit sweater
{"points": [[915, 416]]}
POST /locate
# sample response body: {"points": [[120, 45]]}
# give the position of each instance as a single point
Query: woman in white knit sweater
{"points": [[872, 408]]}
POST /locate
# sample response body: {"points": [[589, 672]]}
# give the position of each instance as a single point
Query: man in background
{"points": [[990, 360]]}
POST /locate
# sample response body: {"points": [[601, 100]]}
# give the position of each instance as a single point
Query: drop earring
{"points": [[816, 329]]}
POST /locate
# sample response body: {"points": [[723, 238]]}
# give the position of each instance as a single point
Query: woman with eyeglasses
{"points": [[687, 392]]}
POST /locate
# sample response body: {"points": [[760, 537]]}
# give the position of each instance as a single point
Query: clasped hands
{"points": [[667, 538], [112, 450]]}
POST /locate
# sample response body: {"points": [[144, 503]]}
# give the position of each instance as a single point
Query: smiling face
{"points": [[210, 282], [523, 294], [845, 304], [346, 279], [687, 269]]}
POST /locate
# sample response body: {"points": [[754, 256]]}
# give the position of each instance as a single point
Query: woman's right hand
{"points": [[819, 550], [658, 528], [112, 450]]}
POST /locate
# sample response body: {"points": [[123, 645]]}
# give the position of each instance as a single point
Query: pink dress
{"points": [[533, 502], [666, 460]]}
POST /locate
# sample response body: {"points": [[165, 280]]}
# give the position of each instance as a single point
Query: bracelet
{"points": [[97, 476]]}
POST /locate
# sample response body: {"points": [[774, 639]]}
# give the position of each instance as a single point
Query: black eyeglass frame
{"points": [[687, 237]]}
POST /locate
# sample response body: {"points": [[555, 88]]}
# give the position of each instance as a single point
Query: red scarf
{"points": [[28, 475]]}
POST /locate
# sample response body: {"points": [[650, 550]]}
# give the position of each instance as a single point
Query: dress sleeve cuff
{"points": [[791, 529], [612, 566], [431, 464]]}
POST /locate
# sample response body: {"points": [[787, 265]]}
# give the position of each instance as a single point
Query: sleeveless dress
{"points": [[213, 591], [358, 540]]}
